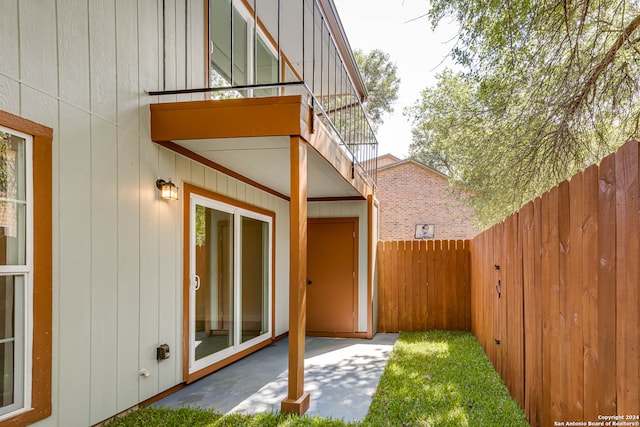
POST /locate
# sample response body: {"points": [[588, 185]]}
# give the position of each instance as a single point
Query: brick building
{"points": [[416, 201]]}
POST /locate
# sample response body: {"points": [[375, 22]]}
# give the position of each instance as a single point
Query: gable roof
{"points": [[410, 161], [385, 159]]}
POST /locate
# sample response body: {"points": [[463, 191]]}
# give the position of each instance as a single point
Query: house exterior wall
{"points": [[411, 194], [84, 69]]}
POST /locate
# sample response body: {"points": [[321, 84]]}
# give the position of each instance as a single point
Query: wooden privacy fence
{"points": [[555, 299], [423, 285]]}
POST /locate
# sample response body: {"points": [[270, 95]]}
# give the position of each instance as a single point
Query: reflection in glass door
{"points": [[230, 280], [213, 285]]}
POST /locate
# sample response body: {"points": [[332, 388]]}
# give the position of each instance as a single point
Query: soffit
{"points": [[265, 160]]}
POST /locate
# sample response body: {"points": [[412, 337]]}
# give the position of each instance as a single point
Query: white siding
{"points": [[129, 93], [73, 52], [9, 95], [102, 50], [104, 268], [169, 231], [149, 295], [281, 208], [9, 35], [350, 209], [128, 284], [38, 45], [75, 265], [10, 63]]}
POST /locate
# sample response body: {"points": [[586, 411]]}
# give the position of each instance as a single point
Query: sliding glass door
{"points": [[230, 280]]}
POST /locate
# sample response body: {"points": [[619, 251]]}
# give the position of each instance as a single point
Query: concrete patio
{"points": [[341, 374]]}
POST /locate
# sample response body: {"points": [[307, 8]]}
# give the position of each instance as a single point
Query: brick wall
{"points": [[410, 193]]}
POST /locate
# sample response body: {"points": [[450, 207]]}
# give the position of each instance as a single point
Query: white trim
{"points": [[16, 201], [16, 133], [14, 269], [237, 346], [248, 16], [237, 280]]}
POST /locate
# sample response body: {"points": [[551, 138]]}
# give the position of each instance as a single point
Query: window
{"points": [[15, 269], [25, 270], [230, 278], [239, 52], [266, 68]]}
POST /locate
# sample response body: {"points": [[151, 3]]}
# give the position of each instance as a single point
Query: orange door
{"points": [[332, 276]]}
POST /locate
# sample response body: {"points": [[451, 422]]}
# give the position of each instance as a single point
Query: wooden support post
{"points": [[297, 400]]}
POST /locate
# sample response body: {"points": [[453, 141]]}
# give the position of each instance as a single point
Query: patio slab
{"points": [[341, 374]]}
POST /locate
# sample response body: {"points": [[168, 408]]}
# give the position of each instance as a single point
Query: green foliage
{"points": [[4, 164], [454, 132], [381, 79], [166, 417], [201, 225], [194, 417], [547, 89], [442, 378]]}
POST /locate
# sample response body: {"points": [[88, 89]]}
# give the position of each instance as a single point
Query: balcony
{"points": [[264, 50]]}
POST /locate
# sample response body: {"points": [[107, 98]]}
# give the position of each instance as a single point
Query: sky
{"points": [[391, 26]]}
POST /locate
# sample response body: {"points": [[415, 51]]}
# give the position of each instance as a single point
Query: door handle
{"points": [[196, 280]]}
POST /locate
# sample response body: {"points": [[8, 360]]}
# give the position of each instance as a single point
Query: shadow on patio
{"points": [[341, 375]]}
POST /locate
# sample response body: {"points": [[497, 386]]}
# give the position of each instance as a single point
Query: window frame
{"points": [[39, 291], [254, 28], [238, 209], [237, 214], [23, 297]]}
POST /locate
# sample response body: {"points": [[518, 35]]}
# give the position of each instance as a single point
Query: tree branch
{"points": [[609, 57]]}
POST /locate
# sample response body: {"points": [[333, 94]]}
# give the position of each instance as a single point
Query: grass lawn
{"points": [[442, 378], [434, 378]]}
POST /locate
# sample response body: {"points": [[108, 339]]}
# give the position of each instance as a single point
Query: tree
{"points": [[8, 174], [547, 88], [382, 82], [453, 133], [437, 125]]}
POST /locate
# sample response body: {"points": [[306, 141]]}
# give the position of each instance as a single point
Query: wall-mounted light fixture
{"points": [[168, 189]]}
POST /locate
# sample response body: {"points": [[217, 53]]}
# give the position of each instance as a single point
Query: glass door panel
{"points": [[230, 280], [255, 278], [213, 287]]}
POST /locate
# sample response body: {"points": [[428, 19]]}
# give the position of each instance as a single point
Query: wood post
{"points": [[297, 400]]}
